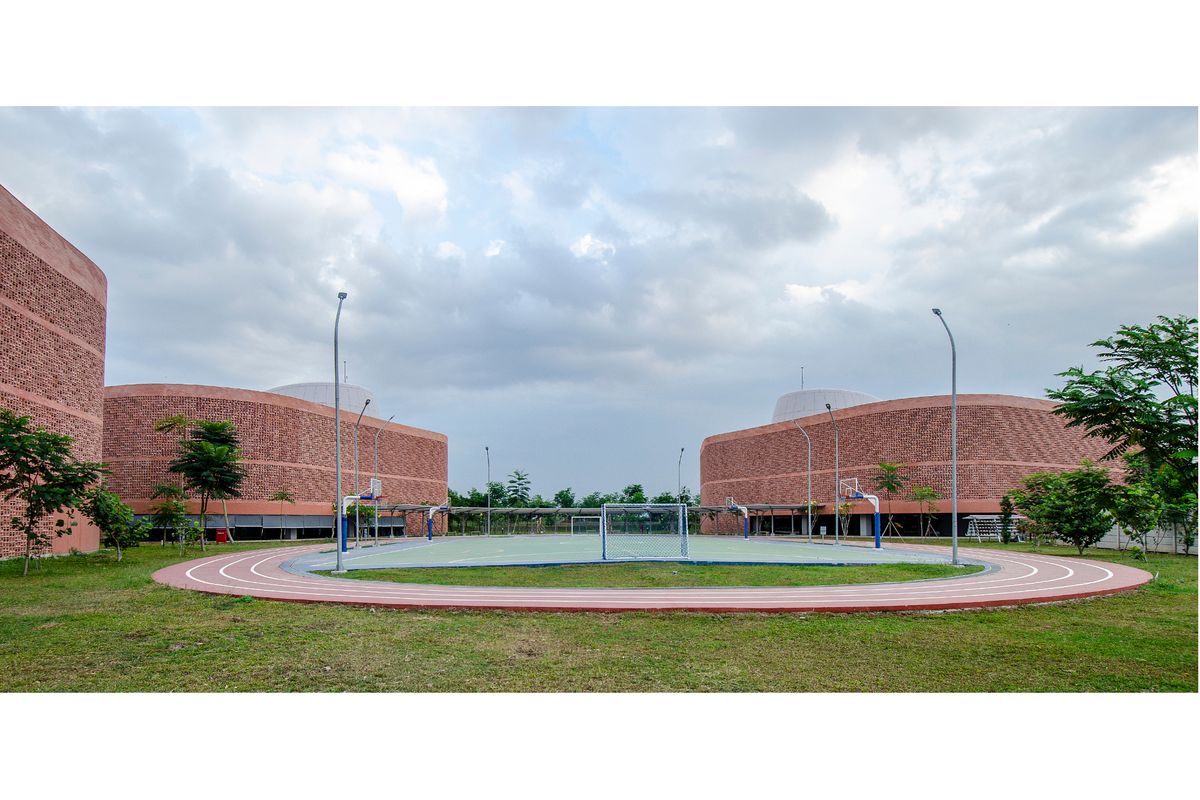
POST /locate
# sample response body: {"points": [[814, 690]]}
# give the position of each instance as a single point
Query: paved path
{"points": [[1013, 579]]}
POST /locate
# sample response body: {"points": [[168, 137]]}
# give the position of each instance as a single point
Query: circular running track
{"points": [[1011, 579]]}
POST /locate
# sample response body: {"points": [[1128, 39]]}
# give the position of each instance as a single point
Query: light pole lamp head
{"points": [[828, 407], [367, 403], [937, 311], [342, 295]]}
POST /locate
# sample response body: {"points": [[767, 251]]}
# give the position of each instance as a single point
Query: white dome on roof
{"points": [[807, 402], [352, 396]]}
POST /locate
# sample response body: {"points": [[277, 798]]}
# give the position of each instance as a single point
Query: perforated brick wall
{"points": [[1000, 440], [52, 318], [288, 444]]}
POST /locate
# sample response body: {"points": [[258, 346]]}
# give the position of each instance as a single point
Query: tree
{"points": [[925, 497], [169, 514], [564, 498], [633, 493], [1145, 400], [209, 469], [888, 482], [282, 496], [114, 519], [1137, 509], [1072, 505], [38, 470], [1006, 519], [516, 494], [665, 497]]}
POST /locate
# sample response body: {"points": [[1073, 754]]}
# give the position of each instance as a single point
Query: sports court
{"points": [[546, 549]]}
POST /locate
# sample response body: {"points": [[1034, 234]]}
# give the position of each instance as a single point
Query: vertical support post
{"points": [[337, 429], [878, 542], [953, 441]]}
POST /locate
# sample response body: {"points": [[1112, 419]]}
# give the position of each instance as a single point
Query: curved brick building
{"points": [[1000, 439], [52, 317], [288, 444]]}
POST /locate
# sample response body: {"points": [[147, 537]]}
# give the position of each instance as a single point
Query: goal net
{"points": [[585, 525], [643, 531]]}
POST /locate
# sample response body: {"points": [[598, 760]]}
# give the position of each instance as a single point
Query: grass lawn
{"points": [[651, 574], [87, 623]]}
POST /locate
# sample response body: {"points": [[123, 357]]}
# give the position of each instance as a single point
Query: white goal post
{"points": [[643, 531], [583, 524]]}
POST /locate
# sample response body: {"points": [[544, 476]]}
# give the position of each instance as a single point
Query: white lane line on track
{"points": [[589, 597]]}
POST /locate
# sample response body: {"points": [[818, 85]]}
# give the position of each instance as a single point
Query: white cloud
{"points": [[415, 182], [448, 251], [494, 248], [588, 246]]}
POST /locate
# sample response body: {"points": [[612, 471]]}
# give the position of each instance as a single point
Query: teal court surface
{"points": [[546, 549]]}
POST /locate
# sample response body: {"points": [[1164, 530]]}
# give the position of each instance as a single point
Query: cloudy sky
{"points": [[588, 290]]}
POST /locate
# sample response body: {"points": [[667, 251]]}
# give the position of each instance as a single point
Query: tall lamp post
{"points": [[378, 431], [953, 441], [357, 492], [488, 455], [337, 435], [808, 441], [837, 482], [679, 478]]}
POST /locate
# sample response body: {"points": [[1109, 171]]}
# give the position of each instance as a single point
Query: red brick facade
{"points": [[1000, 439], [52, 319], [288, 444]]}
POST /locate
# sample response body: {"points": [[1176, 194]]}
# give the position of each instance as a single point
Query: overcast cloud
{"points": [[587, 291]]}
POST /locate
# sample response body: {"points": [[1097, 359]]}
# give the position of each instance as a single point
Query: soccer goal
{"points": [[643, 531], [585, 525]]}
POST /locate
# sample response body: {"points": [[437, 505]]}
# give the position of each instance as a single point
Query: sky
{"points": [[587, 290]]}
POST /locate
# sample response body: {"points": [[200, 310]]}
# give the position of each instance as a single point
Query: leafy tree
{"points": [[633, 493], [925, 497], [1072, 506], [114, 519], [498, 494], [516, 493], [38, 470], [888, 482], [1137, 509], [1145, 400], [210, 463], [169, 514], [564, 498], [664, 497], [843, 517], [593, 500], [1006, 519], [686, 497], [282, 496]]}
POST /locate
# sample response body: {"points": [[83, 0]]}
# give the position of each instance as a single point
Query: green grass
{"points": [[87, 623], [648, 574]]}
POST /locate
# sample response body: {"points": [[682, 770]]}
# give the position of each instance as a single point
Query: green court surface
{"points": [[474, 551]]}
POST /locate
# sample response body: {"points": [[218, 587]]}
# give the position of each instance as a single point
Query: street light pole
{"points": [[337, 435], [488, 454], [357, 492], [679, 478], [808, 441], [953, 441], [378, 431], [837, 483]]}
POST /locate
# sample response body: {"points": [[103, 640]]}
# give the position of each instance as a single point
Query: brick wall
{"points": [[52, 318], [1000, 439], [287, 443]]}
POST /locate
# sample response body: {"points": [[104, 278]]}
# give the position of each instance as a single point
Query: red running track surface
{"points": [[1015, 579]]}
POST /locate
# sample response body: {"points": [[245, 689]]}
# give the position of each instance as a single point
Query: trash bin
{"points": [[222, 536]]}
